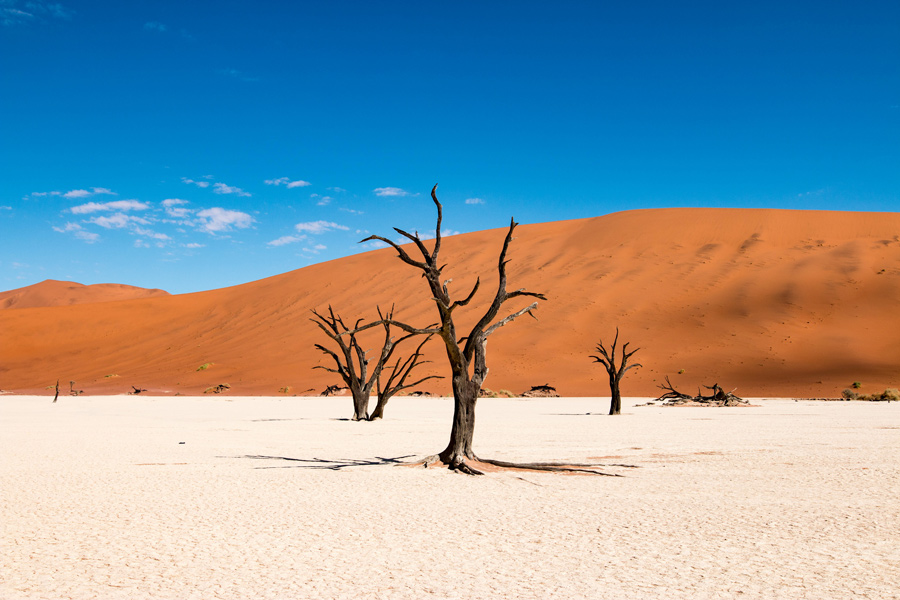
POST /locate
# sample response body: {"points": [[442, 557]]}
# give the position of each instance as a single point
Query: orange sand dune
{"points": [[772, 302], [63, 293]]}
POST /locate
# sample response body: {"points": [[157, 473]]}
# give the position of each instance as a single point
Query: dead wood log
{"points": [[719, 397]]}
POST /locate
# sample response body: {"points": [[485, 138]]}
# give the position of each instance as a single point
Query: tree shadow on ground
{"points": [[333, 464], [337, 464]]}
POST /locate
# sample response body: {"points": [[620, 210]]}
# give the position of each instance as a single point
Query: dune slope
{"points": [[772, 302], [64, 293]]}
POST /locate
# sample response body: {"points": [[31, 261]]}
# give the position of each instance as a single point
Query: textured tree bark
{"points": [[615, 404], [360, 406], [462, 432]]}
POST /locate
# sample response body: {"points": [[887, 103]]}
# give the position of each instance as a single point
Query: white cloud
{"points": [[390, 191], [324, 201], [5, 207], [139, 243], [351, 211], [151, 234], [216, 219], [287, 239], [179, 213], [287, 182], [40, 194], [154, 26], [221, 188], [115, 205], [337, 190], [79, 232], [194, 245], [86, 193], [320, 247], [176, 213], [474, 201], [118, 221], [202, 184], [316, 227]]}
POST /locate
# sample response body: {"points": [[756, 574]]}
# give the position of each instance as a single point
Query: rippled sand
{"points": [[136, 497]]}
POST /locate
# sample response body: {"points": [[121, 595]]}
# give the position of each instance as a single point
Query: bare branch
{"points": [[511, 317], [403, 255], [437, 229]]}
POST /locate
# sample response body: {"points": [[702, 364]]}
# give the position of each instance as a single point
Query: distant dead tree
{"points": [[615, 372], [352, 362], [466, 355], [719, 397]]}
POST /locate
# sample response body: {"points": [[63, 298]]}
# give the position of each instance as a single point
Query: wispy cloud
{"points": [[201, 184], [474, 201], [15, 12], [155, 26], [221, 188], [151, 234], [5, 207], [115, 205], [118, 221], [352, 211], [287, 239], [390, 191], [337, 190], [285, 181], [321, 200], [216, 219], [79, 232], [317, 227], [193, 245], [85, 193]]}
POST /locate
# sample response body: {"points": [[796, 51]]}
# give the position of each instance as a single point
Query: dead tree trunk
{"points": [[615, 372], [396, 381], [352, 364], [466, 355]]}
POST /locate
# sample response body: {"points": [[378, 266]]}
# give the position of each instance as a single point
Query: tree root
{"points": [[474, 465]]}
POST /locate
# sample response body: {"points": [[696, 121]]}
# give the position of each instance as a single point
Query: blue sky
{"points": [[197, 145]]}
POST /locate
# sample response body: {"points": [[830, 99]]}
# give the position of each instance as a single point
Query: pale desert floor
{"points": [[99, 498]]}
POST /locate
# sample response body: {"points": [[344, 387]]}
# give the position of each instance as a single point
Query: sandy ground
{"points": [[136, 497]]}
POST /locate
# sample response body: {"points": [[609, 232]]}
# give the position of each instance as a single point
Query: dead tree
{"points": [[352, 363], [396, 382], [56, 397], [466, 354], [615, 372], [719, 397]]}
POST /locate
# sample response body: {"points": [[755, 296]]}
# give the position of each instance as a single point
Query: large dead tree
{"points": [[352, 362], [466, 354], [615, 372]]}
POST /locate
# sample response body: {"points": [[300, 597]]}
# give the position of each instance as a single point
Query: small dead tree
{"points": [[396, 381], [466, 354], [615, 372], [352, 364]]}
